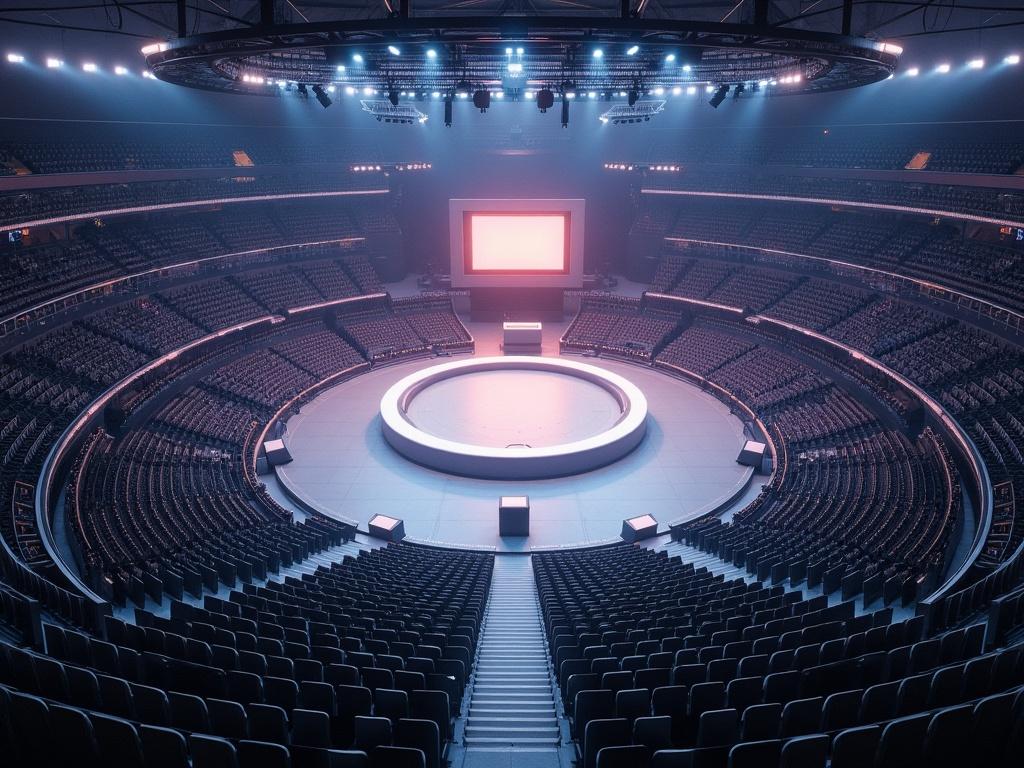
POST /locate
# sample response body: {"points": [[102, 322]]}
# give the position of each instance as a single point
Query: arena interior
{"points": [[533, 383]]}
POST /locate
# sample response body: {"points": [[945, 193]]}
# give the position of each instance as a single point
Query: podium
{"points": [[521, 338], [514, 516]]}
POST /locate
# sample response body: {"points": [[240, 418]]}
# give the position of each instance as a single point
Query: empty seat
{"points": [[623, 756], [755, 754], [604, 733], [422, 735], [805, 752], [212, 752], [117, 741], [902, 742], [855, 747], [718, 728], [163, 747]]}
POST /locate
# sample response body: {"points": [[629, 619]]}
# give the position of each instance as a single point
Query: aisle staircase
{"points": [[512, 703]]}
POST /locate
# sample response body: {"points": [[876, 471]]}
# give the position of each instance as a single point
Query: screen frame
{"points": [[467, 242], [572, 279]]}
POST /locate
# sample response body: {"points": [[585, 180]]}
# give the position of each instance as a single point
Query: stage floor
{"points": [[685, 465]]}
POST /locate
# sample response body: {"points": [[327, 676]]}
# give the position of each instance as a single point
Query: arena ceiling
{"points": [[612, 46]]}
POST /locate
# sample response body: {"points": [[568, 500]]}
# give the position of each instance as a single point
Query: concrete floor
{"points": [[685, 465]]}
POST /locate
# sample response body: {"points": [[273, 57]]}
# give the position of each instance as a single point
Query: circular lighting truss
{"points": [[423, 55]]}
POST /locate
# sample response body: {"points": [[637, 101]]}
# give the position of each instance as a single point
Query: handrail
{"points": [[199, 203], [833, 201], [922, 284]]}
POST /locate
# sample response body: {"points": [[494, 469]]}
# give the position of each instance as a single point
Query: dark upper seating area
{"points": [[982, 148], [664, 664], [985, 264]]}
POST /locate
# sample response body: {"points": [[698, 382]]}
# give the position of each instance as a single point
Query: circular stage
{"points": [[684, 466], [514, 418]]}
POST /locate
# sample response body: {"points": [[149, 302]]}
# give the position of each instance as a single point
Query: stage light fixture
{"points": [[719, 96], [691, 90], [394, 50], [368, 91], [519, 51], [482, 100], [15, 58], [357, 58], [565, 110], [431, 53], [670, 58], [52, 63], [321, 96], [545, 99], [350, 91], [448, 111], [89, 67], [119, 70], [146, 74], [632, 50], [942, 69], [676, 91], [1013, 58], [913, 72], [687, 68], [598, 53], [976, 64]]}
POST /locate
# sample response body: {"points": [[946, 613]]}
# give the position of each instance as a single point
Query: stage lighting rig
{"points": [[639, 112], [719, 96], [321, 96], [387, 112]]}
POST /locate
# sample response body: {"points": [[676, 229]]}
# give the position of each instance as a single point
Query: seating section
{"points": [[618, 326], [369, 655], [663, 664]]}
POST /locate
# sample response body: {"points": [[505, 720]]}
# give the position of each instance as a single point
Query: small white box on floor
{"points": [[522, 337], [514, 516]]}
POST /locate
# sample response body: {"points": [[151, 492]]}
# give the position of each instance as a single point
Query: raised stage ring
{"points": [[514, 462]]}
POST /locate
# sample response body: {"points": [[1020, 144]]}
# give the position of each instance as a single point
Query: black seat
{"points": [[655, 733], [73, 739], [761, 722], [268, 722], [397, 757], [371, 732], [422, 735], [805, 752], [948, 739], [263, 754], [310, 728], [163, 747], [212, 752], [902, 742], [801, 717], [840, 710], [855, 747], [390, 703], [117, 741], [623, 756], [611, 732], [718, 728], [227, 719], [755, 754]]}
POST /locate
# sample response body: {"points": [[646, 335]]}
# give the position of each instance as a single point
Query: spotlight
{"points": [[670, 58], [598, 53], [913, 72], [719, 96], [519, 51], [52, 63], [321, 95], [482, 100], [89, 67], [394, 51], [357, 58], [367, 91], [350, 91], [709, 89], [1013, 58], [942, 69], [431, 53], [515, 68], [147, 74], [676, 91], [545, 99], [565, 111], [15, 58], [976, 64], [691, 90], [632, 50], [659, 91], [331, 89], [508, 51], [119, 70], [341, 67], [687, 68], [448, 111], [592, 95]]}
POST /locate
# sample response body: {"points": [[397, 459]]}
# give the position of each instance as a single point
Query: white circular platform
{"points": [[685, 465], [514, 418]]}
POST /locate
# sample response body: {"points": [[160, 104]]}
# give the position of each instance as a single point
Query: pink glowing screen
{"points": [[516, 243]]}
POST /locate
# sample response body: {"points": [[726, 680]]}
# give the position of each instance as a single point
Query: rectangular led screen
{"points": [[516, 242]]}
